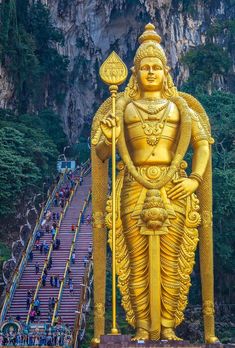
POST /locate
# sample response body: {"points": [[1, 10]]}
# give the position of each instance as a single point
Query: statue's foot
{"points": [[95, 342], [212, 340], [168, 333], [141, 334]]}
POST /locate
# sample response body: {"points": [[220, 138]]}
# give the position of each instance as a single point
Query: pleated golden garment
{"points": [[177, 249]]}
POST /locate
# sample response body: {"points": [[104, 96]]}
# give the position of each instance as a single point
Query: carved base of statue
{"points": [[121, 341]]}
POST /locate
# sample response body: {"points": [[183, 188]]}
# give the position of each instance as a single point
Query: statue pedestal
{"points": [[124, 341]]}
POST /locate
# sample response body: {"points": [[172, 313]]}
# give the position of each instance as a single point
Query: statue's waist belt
{"points": [[151, 173]]}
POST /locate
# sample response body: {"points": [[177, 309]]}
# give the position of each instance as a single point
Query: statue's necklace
{"points": [[151, 127], [151, 107]]}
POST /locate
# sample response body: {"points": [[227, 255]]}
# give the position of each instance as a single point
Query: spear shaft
{"points": [[113, 90]]}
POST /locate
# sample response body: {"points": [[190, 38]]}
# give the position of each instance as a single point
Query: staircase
{"points": [[59, 257], [69, 302], [29, 279]]}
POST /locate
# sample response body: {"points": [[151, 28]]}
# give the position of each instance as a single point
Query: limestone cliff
{"points": [[94, 28]]}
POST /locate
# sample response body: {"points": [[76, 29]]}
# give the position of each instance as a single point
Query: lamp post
{"points": [[43, 196], [65, 148]]}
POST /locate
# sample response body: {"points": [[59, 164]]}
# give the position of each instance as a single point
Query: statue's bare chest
{"points": [[151, 120]]}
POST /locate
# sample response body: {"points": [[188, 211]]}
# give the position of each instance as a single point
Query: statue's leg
{"points": [[177, 259], [170, 251], [137, 245]]}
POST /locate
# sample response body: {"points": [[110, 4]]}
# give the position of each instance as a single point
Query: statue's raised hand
{"points": [[108, 123]]}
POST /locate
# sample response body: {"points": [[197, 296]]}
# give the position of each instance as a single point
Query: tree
{"points": [[28, 51], [27, 156], [204, 62]]}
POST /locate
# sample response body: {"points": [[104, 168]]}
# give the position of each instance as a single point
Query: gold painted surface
{"points": [[98, 219], [158, 215], [99, 310], [113, 71]]}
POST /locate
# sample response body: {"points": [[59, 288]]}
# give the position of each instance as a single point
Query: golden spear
{"points": [[113, 72]]}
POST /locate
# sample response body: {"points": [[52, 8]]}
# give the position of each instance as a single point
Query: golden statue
{"points": [[157, 211]]}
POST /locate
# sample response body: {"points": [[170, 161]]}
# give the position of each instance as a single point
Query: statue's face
{"points": [[151, 74]]}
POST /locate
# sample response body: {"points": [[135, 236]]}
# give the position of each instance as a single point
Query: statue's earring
{"points": [[165, 84], [134, 88]]}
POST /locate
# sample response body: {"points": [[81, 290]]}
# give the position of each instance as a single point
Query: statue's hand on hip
{"points": [[183, 189], [108, 123]]}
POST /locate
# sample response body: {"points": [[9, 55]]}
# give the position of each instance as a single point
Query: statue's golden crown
{"points": [[149, 46]]}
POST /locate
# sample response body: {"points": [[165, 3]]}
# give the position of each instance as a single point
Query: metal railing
{"points": [[84, 305], [9, 292], [57, 304], [86, 166]]}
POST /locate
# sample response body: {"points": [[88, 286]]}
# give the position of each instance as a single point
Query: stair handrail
{"points": [[86, 162], [86, 166], [49, 255], [68, 263], [82, 302], [87, 171], [20, 268]]}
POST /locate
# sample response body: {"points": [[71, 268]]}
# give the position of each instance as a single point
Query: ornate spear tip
{"points": [[113, 71], [149, 34]]}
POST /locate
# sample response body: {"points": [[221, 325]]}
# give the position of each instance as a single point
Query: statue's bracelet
{"points": [[107, 142], [196, 177]]}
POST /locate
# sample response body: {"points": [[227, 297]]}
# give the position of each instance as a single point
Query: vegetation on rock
{"points": [[28, 51], [31, 136]]}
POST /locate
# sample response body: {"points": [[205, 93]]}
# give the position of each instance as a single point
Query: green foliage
{"points": [[210, 59], [41, 27], [25, 156], [30, 143], [204, 61], [27, 51], [53, 66], [5, 253], [220, 107], [29, 146], [48, 121], [80, 151], [225, 27], [188, 6], [221, 110]]}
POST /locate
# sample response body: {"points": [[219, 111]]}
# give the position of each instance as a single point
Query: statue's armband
{"points": [[198, 131]]}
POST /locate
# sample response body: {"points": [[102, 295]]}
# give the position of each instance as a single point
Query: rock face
{"points": [[94, 28], [6, 88]]}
